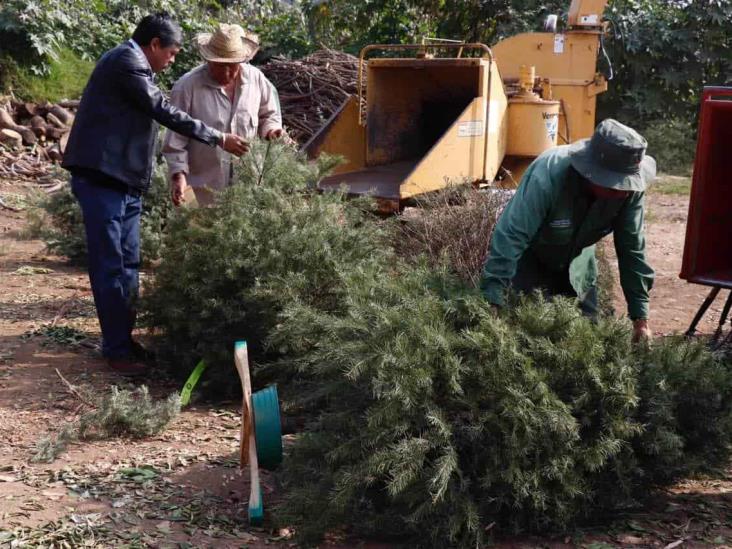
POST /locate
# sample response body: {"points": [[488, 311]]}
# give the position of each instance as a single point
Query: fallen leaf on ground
{"points": [[631, 540]]}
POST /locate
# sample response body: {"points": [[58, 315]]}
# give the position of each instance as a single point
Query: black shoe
{"points": [[127, 367]]}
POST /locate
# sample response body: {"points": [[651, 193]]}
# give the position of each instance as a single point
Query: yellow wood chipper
{"points": [[421, 122]]}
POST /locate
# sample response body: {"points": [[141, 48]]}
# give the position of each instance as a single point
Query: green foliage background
{"points": [[662, 51], [33, 32], [66, 77]]}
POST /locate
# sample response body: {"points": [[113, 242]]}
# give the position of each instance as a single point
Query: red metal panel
{"points": [[708, 245]]}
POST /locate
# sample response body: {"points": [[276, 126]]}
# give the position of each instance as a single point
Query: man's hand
{"points": [[178, 188], [274, 134], [234, 144], [281, 135], [641, 331]]}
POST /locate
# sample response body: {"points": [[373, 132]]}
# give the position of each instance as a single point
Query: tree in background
{"points": [[662, 51], [33, 32]]}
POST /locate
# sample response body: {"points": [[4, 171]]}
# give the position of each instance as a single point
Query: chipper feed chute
{"points": [[424, 122]]}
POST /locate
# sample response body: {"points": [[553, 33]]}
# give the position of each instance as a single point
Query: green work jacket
{"points": [[554, 215]]}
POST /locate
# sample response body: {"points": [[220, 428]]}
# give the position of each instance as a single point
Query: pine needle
{"points": [[119, 413]]}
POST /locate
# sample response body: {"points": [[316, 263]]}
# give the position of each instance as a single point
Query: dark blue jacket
{"points": [[115, 128]]}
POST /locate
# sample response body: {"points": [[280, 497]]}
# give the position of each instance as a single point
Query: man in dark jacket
{"points": [[110, 156]]}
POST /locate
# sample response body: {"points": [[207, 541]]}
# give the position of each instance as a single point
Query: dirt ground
{"points": [[184, 488], [673, 300]]}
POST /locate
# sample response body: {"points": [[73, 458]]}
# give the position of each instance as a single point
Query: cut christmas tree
{"points": [[428, 415]]}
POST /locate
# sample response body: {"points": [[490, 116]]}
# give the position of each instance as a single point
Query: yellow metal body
{"points": [[569, 62], [532, 126], [342, 135], [427, 122], [586, 13]]}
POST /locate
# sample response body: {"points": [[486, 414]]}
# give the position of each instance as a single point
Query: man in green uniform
{"points": [[570, 197]]}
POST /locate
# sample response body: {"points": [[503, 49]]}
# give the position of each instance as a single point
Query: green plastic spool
{"points": [[267, 427]]}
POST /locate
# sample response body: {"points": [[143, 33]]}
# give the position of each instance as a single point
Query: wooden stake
{"points": [[248, 445]]}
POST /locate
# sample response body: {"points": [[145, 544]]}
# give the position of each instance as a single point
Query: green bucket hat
{"points": [[614, 157]]}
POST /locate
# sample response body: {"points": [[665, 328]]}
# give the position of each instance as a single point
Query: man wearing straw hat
{"points": [[571, 197], [230, 95]]}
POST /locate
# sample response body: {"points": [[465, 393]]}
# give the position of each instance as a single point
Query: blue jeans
{"points": [[112, 223]]}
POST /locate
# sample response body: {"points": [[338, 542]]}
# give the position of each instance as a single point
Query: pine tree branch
{"points": [[74, 391]]}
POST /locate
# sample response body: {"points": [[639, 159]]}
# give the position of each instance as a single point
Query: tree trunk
{"points": [[7, 122], [55, 133]]}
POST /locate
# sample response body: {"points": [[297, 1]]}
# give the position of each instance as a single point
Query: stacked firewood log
{"points": [[33, 138], [43, 126]]}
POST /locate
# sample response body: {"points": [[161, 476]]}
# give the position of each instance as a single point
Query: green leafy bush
{"points": [[672, 143], [431, 417], [66, 77], [57, 220], [227, 270]]}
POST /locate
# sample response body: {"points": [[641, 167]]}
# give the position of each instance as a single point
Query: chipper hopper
{"points": [[419, 122]]}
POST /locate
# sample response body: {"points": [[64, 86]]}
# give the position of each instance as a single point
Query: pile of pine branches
{"points": [[312, 89], [228, 270], [121, 413], [432, 417], [429, 415]]}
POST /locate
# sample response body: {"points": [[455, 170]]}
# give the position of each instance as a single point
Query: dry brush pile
{"points": [[428, 416], [312, 89]]}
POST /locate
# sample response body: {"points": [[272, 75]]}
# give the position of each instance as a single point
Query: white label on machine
{"points": [[558, 43], [471, 128], [551, 121], [589, 19]]}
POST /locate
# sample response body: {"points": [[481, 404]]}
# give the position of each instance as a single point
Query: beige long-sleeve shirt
{"points": [[254, 111]]}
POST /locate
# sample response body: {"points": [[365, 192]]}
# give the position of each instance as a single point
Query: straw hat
{"points": [[228, 44], [614, 157]]}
